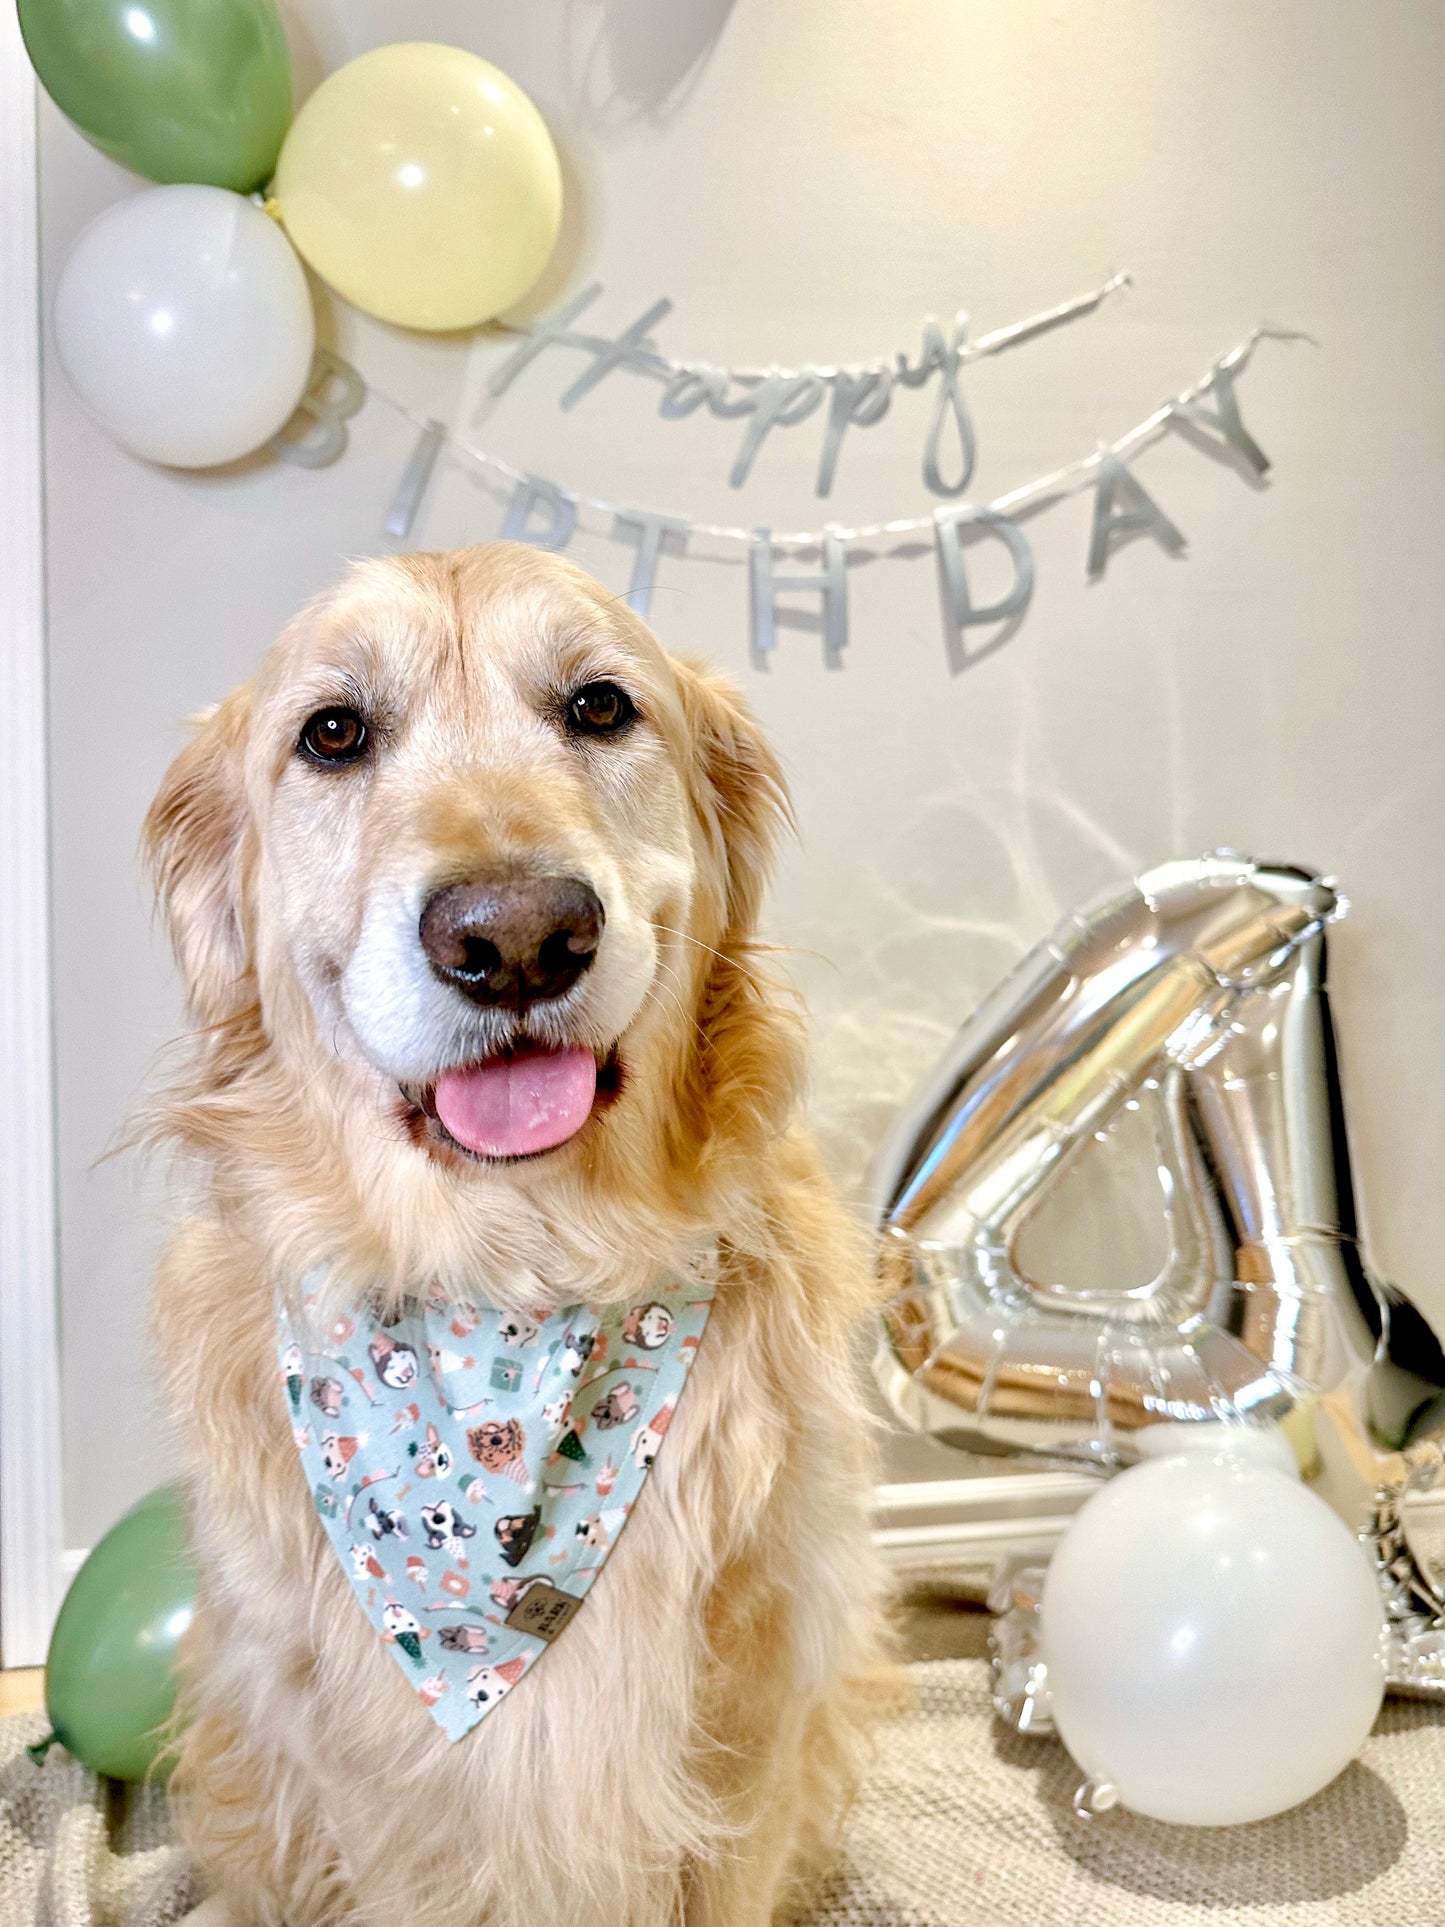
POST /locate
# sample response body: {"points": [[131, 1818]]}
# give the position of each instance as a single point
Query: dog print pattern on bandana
{"points": [[473, 1468]]}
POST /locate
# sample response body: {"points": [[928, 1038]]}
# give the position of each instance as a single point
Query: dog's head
{"points": [[515, 1533], [462, 886], [442, 1522], [495, 1443]]}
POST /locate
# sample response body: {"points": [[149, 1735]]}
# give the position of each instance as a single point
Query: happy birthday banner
{"points": [[858, 396], [186, 369], [544, 513]]}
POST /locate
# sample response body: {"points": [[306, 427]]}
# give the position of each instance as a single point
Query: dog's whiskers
{"points": [[696, 942], [753, 946], [657, 984]]}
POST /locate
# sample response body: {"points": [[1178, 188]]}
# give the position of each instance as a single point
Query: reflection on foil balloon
{"points": [[1199, 991], [1414, 1601]]}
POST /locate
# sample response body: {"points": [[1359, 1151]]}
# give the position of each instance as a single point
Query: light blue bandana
{"points": [[473, 1469]]}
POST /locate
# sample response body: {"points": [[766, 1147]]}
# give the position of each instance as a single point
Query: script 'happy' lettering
{"points": [[541, 512], [769, 398]]}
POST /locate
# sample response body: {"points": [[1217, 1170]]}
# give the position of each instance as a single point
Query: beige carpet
{"points": [[960, 1826], [80, 1852]]}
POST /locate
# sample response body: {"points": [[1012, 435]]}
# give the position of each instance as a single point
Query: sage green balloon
{"points": [[179, 90], [110, 1680]]}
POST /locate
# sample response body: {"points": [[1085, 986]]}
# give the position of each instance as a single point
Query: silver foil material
{"points": [[944, 354], [1020, 1683], [958, 608], [1197, 990], [415, 477], [1223, 421], [334, 393], [1414, 1600], [1123, 508], [653, 534], [777, 397], [766, 583], [532, 494]]}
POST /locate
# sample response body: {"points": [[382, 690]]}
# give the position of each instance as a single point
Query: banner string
{"points": [[635, 350], [1059, 482]]}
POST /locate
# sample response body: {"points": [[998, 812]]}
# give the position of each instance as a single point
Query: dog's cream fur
{"points": [[682, 1752]]}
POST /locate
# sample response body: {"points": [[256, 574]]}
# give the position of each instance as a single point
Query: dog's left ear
{"points": [[193, 841], [739, 790]]}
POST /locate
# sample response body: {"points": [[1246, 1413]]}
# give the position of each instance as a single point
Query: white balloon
{"points": [[1257, 1442], [1212, 1633], [184, 322]]}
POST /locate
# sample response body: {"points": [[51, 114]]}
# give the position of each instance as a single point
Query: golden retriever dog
{"points": [[480, 769]]}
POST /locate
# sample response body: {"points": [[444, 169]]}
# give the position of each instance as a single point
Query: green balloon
{"points": [[179, 90], [110, 1681]]}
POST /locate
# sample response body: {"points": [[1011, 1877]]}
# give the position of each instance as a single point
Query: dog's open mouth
{"points": [[518, 1103]]}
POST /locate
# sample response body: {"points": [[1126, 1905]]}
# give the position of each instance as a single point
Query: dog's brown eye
{"points": [[334, 736], [600, 709]]}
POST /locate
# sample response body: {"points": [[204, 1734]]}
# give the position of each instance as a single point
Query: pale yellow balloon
{"points": [[422, 184]]}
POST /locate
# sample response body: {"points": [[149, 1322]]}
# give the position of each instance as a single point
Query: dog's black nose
{"points": [[512, 940]]}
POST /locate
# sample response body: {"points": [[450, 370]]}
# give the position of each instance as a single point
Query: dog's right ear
{"points": [[193, 841]]}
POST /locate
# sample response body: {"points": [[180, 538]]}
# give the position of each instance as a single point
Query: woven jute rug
{"points": [[960, 1825], [76, 1851]]}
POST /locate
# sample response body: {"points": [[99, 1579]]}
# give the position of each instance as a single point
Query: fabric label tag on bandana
{"points": [[473, 1468], [543, 1610]]}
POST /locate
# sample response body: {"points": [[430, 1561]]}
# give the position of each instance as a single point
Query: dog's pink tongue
{"points": [[512, 1105]]}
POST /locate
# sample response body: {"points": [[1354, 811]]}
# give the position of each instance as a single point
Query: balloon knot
{"points": [[40, 1748], [270, 205]]}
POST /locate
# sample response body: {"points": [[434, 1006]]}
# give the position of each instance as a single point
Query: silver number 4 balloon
{"points": [[1200, 989]]}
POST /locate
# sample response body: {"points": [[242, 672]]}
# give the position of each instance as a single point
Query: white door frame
{"points": [[31, 1536]]}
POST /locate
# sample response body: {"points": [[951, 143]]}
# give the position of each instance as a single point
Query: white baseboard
{"points": [[956, 1532]]}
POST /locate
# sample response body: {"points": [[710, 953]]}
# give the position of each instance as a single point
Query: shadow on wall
{"points": [[637, 60], [578, 193]]}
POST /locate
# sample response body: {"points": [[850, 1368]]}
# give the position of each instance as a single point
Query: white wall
{"points": [[807, 187]]}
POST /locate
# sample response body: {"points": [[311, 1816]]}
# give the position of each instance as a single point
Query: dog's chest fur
{"points": [[735, 1558]]}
